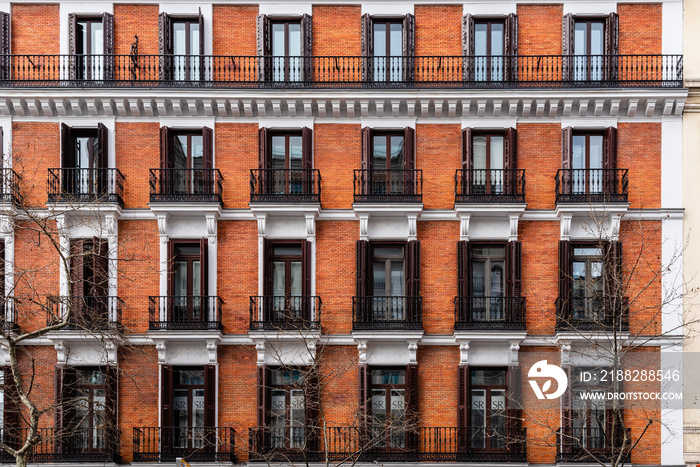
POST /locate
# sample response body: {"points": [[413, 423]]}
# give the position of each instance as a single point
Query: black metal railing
{"points": [[424, 444], [8, 314], [593, 444], [194, 444], [392, 186], [387, 312], [490, 186], [86, 312], [285, 185], [86, 185], [302, 312], [228, 71], [64, 445], [186, 185], [592, 313], [591, 185], [9, 187], [497, 313], [185, 312]]}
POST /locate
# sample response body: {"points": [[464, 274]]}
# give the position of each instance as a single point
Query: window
{"points": [[285, 162], [187, 281], [186, 160], [388, 164], [490, 48], [489, 284], [84, 160], [284, 48], [388, 49], [91, 46], [89, 277], [287, 409], [388, 404], [388, 282], [188, 397], [287, 286], [181, 42], [589, 163], [86, 409], [590, 47], [587, 283], [489, 164], [9, 409], [488, 410]]}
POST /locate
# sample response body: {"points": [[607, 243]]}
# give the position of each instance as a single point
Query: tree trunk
{"points": [[21, 461]]}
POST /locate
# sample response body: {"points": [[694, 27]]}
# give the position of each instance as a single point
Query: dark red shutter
{"points": [[166, 407], [171, 257], [210, 395], [413, 268], [204, 266], [566, 411], [510, 178], [201, 34], [306, 148], [164, 147], [99, 283], [511, 47], [12, 409], [264, 151], [567, 46], [463, 402], [612, 22], [514, 255], [58, 411], [267, 267], [165, 46], [610, 161], [207, 149], [566, 141], [2, 274], [367, 48], [65, 400], [72, 37], [112, 408], [514, 394], [77, 268], [306, 247], [102, 145], [263, 395], [565, 271], [264, 40], [5, 46], [409, 139], [409, 48], [363, 390], [312, 405], [108, 41], [467, 163], [468, 50], [614, 286], [412, 405], [366, 156], [362, 268], [464, 275], [307, 47], [67, 159]]}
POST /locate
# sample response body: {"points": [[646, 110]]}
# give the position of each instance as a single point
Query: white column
{"points": [[9, 237], [112, 265], [163, 231], [64, 244]]}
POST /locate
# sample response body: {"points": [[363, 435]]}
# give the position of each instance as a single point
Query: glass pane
{"points": [[97, 39], [395, 47], [181, 408], [179, 155], [379, 152], [278, 153], [496, 279], [388, 252], [478, 418], [278, 39], [578, 153], [82, 152], [498, 419], [497, 47], [588, 251], [296, 278], [397, 279], [189, 377], [186, 250], [295, 152], [379, 403], [596, 152], [380, 37], [488, 377], [597, 39], [384, 376], [295, 39], [180, 278], [198, 406], [287, 250], [478, 279], [196, 278], [497, 152], [297, 418], [580, 39], [479, 152], [179, 39], [397, 153], [197, 151], [480, 38], [278, 414], [379, 283], [278, 278]]}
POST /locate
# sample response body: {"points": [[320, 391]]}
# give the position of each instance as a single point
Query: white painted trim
{"points": [[489, 123], [490, 9], [671, 418], [387, 123], [295, 123], [672, 28], [387, 9], [186, 123], [672, 164], [285, 9], [672, 276], [590, 8], [6, 149], [587, 123]]}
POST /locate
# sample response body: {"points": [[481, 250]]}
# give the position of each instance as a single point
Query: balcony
{"points": [[383, 313], [185, 313], [9, 189], [490, 313], [424, 444], [273, 313], [186, 185], [285, 185], [591, 444], [218, 71], [92, 313], [8, 314], [69, 445], [490, 186], [591, 185], [86, 186], [592, 314], [193, 444], [388, 186]]}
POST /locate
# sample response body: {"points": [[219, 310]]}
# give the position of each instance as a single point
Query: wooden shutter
{"points": [[363, 390], [263, 395], [166, 395], [567, 46], [464, 268], [208, 145], [306, 148], [5, 45], [306, 268], [366, 157], [209, 395], [367, 46], [264, 150], [73, 36], [511, 149], [171, 257], [201, 34], [566, 141], [165, 46], [99, 283], [267, 267], [511, 47], [412, 405], [362, 268], [610, 161], [67, 159], [409, 139], [614, 287], [467, 159], [204, 266], [413, 258], [108, 44], [77, 268], [409, 48], [566, 411], [612, 22], [3, 312], [468, 50], [164, 147], [514, 394], [264, 39], [514, 259], [307, 47], [312, 400], [112, 409], [565, 272], [463, 380], [102, 145]]}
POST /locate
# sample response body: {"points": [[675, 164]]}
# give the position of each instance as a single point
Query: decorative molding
{"points": [[260, 349], [412, 226], [62, 351], [161, 347], [513, 353], [565, 227], [111, 350], [212, 345], [513, 235], [412, 351], [362, 351], [310, 226], [364, 226], [262, 223], [615, 227], [464, 352], [464, 219], [211, 220]]}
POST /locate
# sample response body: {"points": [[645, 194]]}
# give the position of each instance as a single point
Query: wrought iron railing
{"points": [[86, 312], [9, 186], [186, 185], [285, 313], [194, 444], [593, 444], [8, 314], [73, 444], [497, 313], [591, 185], [86, 185], [185, 312], [285, 185], [387, 312], [490, 186], [392, 186], [230, 71], [424, 444], [595, 313]]}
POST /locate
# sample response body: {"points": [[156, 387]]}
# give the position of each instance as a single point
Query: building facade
{"points": [[379, 217]]}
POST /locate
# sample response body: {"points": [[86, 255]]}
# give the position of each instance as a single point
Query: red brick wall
{"points": [[136, 20], [439, 155], [438, 30], [337, 152], [540, 274], [236, 149], [438, 274], [639, 151], [640, 28], [36, 147], [336, 30], [137, 151], [234, 30], [539, 29], [35, 29], [539, 153], [437, 386]]}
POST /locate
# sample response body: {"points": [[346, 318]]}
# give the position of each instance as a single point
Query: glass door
{"points": [[188, 408], [186, 283], [287, 278], [488, 410]]}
